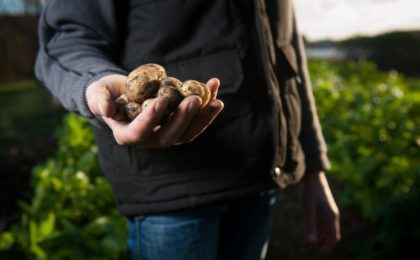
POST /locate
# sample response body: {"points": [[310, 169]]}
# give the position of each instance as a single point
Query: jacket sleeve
{"points": [[311, 136], [78, 45]]}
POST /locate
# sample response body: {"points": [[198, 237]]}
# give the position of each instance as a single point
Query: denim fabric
{"points": [[236, 229]]}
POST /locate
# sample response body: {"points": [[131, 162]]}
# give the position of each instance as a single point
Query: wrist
{"points": [[313, 175]]}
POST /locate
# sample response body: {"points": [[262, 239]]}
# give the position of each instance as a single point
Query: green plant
{"points": [[72, 213], [371, 121]]}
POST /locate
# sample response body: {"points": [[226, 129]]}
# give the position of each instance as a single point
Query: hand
{"points": [[321, 214], [184, 125]]}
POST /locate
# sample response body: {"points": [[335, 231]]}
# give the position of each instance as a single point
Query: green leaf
{"points": [[6, 240], [33, 232], [38, 252], [46, 227]]}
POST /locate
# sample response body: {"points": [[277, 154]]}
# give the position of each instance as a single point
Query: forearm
{"points": [[311, 136], [77, 47]]}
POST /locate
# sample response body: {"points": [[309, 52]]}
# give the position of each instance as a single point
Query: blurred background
{"points": [[364, 60]]}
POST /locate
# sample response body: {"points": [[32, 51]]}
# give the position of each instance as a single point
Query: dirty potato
{"points": [[132, 109], [143, 82], [169, 89], [149, 81], [194, 87]]}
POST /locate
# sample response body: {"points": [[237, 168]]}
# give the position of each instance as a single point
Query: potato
{"points": [[143, 82], [132, 109], [169, 88], [122, 100], [120, 113], [149, 81], [146, 103], [193, 87]]}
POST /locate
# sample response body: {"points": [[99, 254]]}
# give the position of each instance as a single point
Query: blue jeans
{"points": [[235, 229]]}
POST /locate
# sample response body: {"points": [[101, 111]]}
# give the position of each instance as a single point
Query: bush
{"points": [[371, 121], [72, 214]]}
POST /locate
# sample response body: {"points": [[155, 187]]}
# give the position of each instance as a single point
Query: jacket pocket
{"points": [[226, 66]]}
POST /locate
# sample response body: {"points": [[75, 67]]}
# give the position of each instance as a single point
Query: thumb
{"points": [[100, 101]]}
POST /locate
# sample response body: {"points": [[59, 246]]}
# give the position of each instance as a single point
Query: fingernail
{"points": [[105, 90], [221, 105], [213, 81], [101, 109], [217, 106]]}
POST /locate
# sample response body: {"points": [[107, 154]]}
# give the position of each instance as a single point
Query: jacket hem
{"points": [[131, 210]]}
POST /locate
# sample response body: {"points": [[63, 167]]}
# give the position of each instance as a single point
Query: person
{"points": [[202, 185]]}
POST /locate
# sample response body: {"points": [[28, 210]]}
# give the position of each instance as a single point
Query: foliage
{"points": [[371, 121], [24, 106], [72, 212]]}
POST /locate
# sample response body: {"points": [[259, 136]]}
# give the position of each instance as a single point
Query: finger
{"points": [[328, 242], [138, 130], [202, 120], [107, 108], [310, 220], [100, 101], [100, 95], [115, 125], [115, 84], [179, 121], [213, 84], [332, 235]]}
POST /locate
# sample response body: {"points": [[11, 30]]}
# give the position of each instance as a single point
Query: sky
{"points": [[339, 19], [328, 19], [16, 7]]}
